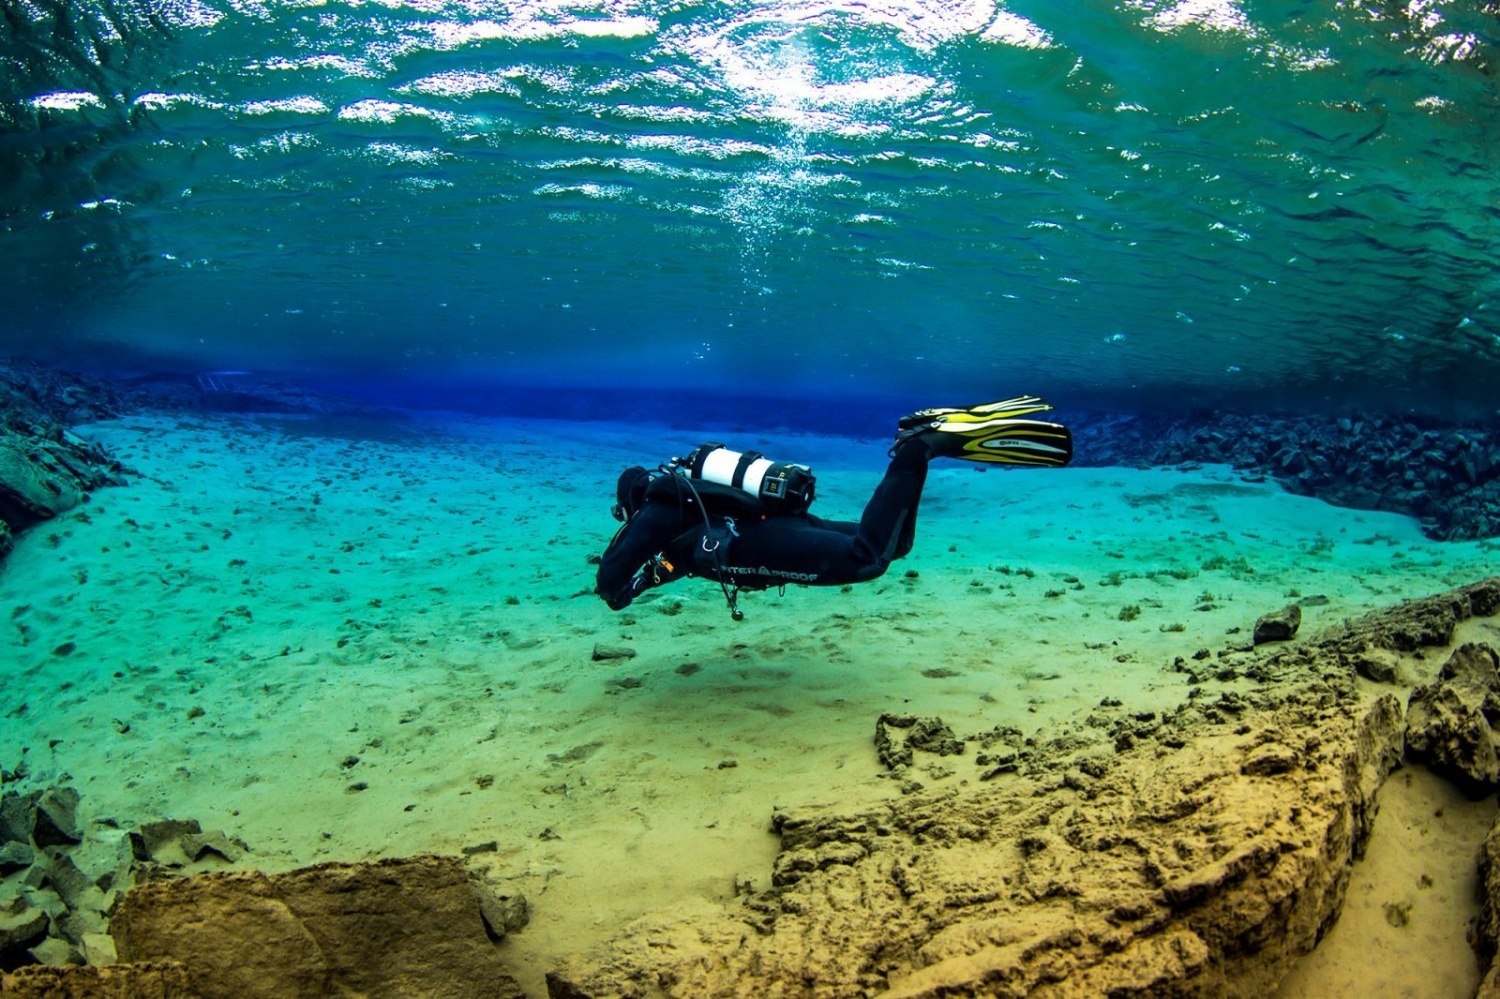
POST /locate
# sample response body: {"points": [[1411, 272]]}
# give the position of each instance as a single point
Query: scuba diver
{"points": [[742, 520]]}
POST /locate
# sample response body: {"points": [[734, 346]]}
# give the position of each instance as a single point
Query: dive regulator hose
{"points": [[731, 596]]}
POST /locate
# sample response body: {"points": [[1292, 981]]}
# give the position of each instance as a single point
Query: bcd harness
{"points": [[738, 487]]}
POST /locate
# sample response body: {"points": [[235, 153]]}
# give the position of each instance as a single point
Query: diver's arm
{"points": [[625, 568]]}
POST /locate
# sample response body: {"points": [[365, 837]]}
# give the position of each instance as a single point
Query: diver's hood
{"points": [[630, 491]]}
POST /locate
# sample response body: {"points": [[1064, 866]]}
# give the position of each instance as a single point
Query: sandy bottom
{"points": [[343, 641]]}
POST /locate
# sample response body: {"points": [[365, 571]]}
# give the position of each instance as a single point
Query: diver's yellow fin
{"points": [[1007, 441], [1023, 405], [993, 432]]}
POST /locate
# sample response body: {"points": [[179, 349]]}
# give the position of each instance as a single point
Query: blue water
{"points": [[1264, 204]]}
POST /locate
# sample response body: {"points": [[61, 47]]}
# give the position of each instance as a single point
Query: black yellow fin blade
{"points": [[1023, 405], [1007, 441]]}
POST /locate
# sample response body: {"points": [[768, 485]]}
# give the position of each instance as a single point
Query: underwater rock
{"points": [[161, 980], [1487, 931], [932, 736], [1280, 626], [1426, 623], [176, 843], [1380, 665], [245, 392], [22, 926], [36, 394], [41, 476], [56, 818], [63, 875], [151, 838], [1269, 759], [1449, 722], [17, 816], [15, 856], [503, 913], [71, 878], [927, 734], [55, 951], [393, 927], [1173, 874], [216, 844], [1447, 476], [1144, 871], [44, 469]]}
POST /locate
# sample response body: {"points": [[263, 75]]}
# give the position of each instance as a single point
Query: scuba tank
{"points": [[781, 487]]}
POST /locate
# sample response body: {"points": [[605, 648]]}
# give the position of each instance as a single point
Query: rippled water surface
{"points": [[1172, 200]]}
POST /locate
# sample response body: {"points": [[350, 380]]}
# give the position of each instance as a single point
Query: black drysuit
{"points": [[667, 538]]}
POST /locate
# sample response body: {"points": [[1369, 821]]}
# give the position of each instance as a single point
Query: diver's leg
{"points": [[830, 553], [888, 527]]}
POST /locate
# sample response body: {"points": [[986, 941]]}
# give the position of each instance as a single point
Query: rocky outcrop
{"points": [[1201, 873], [420, 926], [38, 395], [1446, 475], [1195, 853], [56, 892], [45, 472], [1450, 723], [44, 469], [62, 877], [1487, 935], [400, 927]]}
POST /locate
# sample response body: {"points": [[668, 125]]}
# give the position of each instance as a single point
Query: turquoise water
{"points": [[1272, 203]]}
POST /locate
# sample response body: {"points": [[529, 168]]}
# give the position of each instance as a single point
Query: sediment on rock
{"points": [[1197, 853], [160, 980], [419, 926]]}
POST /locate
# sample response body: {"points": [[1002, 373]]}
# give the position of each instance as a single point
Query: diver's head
{"points": [[630, 492]]}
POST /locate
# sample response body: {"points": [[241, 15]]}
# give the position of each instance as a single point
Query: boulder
{"points": [[56, 819], [177, 843], [393, 927], [150, 840], [1377, 664], [17, 816], [70, 883], [15, 856], [1279, 627], [1449, 721], [55, 950], [22, 927]]}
